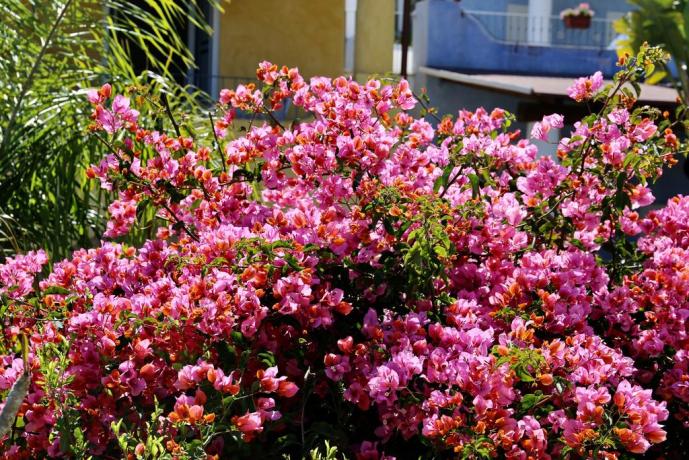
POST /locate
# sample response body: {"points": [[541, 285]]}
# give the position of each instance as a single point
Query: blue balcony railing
{"points": [[451, 37], [522, 29]]}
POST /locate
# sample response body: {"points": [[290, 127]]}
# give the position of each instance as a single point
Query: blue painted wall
{"points": [[494, 5], [450, 40]]}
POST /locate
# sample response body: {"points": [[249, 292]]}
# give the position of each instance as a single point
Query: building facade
{"points": [[321, 37], [517, 54], [522, 36]]}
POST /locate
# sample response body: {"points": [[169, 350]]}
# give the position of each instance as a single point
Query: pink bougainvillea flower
{"points": [[586, 87], [364, 269], [541, 129]]}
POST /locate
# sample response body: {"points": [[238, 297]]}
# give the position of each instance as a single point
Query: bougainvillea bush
{"points": [[395, 286]]}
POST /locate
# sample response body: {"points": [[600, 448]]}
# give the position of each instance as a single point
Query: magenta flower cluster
{"points": [[408, 284]]}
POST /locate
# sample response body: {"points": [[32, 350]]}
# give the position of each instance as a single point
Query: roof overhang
{"points": [[541, 87]]}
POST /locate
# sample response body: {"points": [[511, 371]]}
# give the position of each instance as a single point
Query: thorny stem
{"points": [[425, 106], [451, 182], [168, 110], [428, 109], [109, 146], [303, 410], [151, 191], [552, 208], [586, 147], [217, 142], [274, 120], [179, 222]]}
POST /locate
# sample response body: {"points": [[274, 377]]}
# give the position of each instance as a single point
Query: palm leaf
{"points": [[663, 23], [53, 51]]}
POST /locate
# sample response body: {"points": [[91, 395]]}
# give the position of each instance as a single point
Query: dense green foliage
{"points": [[52, 52], [662, 23]]}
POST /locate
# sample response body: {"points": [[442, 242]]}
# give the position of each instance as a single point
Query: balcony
{"points": [[448, 36], [523, 29]]}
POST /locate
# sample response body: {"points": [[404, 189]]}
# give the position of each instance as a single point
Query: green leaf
{"points": [[637, 88], [13, 402], [475, 189], [56, 290], [630, 159], [441, 182], [292, 261], [267, 358], [441, 251], [282, 244], [388, 226], [531, 400], [523, 374]]}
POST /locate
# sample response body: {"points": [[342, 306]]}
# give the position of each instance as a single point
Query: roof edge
{"points": [[474, 80]]}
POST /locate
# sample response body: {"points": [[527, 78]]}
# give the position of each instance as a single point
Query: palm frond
{"points": [[53, 51]]}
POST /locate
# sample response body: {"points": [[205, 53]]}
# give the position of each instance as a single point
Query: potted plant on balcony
{"points": [[577, 18]]}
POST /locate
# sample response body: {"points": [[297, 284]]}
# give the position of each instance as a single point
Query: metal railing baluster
{"points": [[518, 28]]}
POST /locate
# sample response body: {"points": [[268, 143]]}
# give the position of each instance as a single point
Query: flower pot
{"points": [[577, 22]]}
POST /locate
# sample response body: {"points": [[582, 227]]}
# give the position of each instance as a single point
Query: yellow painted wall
{"points": [[308, 34], [375, 34]]}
